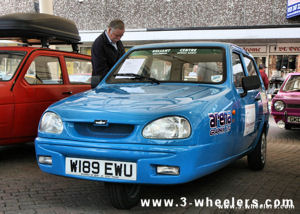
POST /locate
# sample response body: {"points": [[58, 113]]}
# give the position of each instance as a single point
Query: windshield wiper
{"points": [[137, 76]]}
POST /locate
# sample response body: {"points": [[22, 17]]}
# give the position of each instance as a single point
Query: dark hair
{"points": [[261, 66], [116, 24]]}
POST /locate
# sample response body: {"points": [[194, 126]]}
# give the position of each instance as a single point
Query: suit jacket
{"points": [[104, 57]]}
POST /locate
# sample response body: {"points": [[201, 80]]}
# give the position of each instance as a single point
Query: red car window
{"points": [[44, 70], [79, 70]]}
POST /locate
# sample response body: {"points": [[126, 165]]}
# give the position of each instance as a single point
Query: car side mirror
{"points": [[250, 83]]}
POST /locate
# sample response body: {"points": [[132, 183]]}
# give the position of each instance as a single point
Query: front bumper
{"points": [[283, 116], [193, 161]]}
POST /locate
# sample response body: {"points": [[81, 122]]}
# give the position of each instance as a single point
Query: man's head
{"points": [[261, 66], [115, 30]]}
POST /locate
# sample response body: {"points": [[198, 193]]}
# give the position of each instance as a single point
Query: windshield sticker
{"points": [[249, 119], [216, 78], [219, 122], [130, 66], [161, 51], [187, 51]]}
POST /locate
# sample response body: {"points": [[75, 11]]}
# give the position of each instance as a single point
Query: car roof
{"points": [[294, 74], [190, 45], [30, 49], [18, 48], [182, 44], [291, 74]]}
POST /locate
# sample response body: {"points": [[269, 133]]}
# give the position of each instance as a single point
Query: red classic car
{"points": [[286, 104], [32, 78]]}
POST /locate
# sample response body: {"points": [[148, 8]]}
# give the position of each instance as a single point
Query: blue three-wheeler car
{"points": [[164, 114]]}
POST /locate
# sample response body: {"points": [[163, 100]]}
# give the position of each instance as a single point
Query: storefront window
{"points": [[260, 60], [86, 50], [281, 65]]}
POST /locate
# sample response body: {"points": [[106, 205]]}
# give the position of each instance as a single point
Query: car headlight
{"points": [[173, 127], [51, 123], [279, 105]]}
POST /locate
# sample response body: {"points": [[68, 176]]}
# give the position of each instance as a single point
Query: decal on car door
{"points": [[249, 119], [219, 122]]}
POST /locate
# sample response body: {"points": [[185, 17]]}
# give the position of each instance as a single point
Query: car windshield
{"points": [[292, 84], [9, 63], [197, 65]]}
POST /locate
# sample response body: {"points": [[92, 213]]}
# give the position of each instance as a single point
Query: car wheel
{"points": [[123, 196], [288, 127], [257, 158]]}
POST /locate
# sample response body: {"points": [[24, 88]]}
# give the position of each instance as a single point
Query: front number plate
{"points": [[101, 168], [292, 119]]}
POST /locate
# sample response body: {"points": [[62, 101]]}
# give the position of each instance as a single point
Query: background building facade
{"points": [[137, 14], [260, 26]]}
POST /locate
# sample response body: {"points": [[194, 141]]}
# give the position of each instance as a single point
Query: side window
{"points": [[250, 66], [79, 70], [44, 70], [237, 69], [9, 63]]}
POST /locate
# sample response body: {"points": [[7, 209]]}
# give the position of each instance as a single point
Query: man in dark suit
{"points": [[106, 50]]}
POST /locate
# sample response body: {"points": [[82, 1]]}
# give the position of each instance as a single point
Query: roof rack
{"points": [[39, 29]]}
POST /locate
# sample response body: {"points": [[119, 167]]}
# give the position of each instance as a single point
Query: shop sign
{"points": [[293, 8], [285, 48], [255, 49]]}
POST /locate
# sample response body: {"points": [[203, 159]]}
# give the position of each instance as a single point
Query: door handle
{"points": [[67, 93]]}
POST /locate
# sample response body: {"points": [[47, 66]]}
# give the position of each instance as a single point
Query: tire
{"points": [[123, 196], [257, 158], [288, 127]]}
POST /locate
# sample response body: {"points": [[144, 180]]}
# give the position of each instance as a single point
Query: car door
{"points": [[256, 96], [40, 84], [246, 106], [11, 59]]}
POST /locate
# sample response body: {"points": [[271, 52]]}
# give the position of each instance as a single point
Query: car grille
{"points": [[293, 105], [110, 131]]}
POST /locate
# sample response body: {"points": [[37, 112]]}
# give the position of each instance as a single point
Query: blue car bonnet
{"points": [[135, 100]]}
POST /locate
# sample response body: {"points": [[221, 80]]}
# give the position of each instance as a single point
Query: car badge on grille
{"points": [[100, 123]]}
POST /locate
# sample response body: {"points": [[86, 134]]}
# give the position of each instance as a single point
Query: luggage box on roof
{"points": [[38, 28]]}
